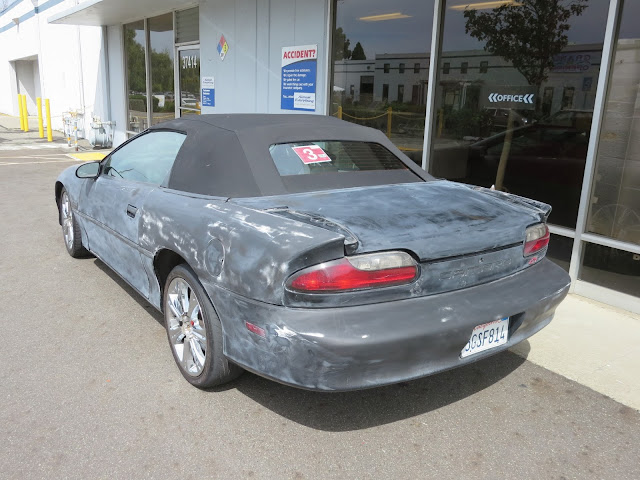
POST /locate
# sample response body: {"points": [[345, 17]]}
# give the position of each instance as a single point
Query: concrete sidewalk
{"points": [[11, 135], [593, 344]]}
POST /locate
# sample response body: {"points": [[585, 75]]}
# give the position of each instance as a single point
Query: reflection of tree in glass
{"points": [[358, 52], [527, 34], [190, 80], [161, 72], [135, 61], [341, 44]]}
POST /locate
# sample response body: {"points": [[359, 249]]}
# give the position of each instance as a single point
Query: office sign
{"points": [[522, 98], [299, 71]]}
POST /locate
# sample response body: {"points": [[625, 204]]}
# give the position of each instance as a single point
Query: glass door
{"points": [[611, 256], [188, 88]]}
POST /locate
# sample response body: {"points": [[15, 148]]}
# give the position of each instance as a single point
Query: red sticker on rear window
{"points": [[311, 154]]}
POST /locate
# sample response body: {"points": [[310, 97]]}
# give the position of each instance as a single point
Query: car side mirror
{"points": [[88, 170]]}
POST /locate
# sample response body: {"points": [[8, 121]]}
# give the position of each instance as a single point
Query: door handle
{"points": [[131, 210]]}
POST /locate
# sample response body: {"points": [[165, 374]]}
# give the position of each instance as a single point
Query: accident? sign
{"points": [[299, 69]]}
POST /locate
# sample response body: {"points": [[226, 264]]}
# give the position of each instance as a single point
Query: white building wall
{"points": [[67, 59], [248, 80], [349, 72]]}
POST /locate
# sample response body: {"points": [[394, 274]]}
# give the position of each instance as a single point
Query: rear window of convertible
{"points": [[305, 158]]}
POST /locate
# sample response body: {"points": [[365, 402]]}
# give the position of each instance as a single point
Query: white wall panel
{"points": [[248, 80]]}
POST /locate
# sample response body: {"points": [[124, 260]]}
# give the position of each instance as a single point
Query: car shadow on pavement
{"points": [[155, 314], [346, 411], [338, 412]]}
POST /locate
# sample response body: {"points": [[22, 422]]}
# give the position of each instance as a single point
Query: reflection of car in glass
{"points": [[328, 264], [579, 119], [500, 118], [545, 162], [189, 100]]}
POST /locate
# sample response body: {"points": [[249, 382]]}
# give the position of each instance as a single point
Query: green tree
{"points": [[528, 34], [135, 62], [341, 44], [161, 72], [358, 52]]}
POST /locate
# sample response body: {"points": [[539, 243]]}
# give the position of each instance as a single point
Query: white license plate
{"points": [[487, 336]]}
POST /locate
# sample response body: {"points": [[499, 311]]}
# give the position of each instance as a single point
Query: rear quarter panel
{"points": [[236, 248]]}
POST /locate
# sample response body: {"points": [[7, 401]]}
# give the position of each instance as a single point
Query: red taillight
{"points": [[356, 273], [536, 238]]}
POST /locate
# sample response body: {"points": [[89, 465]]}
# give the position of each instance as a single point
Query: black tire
{"points": [[71, 234], [216, 369]]}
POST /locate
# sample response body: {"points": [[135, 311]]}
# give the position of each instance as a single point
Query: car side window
{"points": [[147, 158]]}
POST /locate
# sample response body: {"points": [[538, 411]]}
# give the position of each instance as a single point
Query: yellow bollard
{"points": [[40, 126], [389, 114], [21, 113], [340, 112], [48, 110], [25, 119], [26, 113]]}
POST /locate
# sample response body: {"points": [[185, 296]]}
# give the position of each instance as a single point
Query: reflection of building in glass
{"points": [[368, 78], [468, 78]]}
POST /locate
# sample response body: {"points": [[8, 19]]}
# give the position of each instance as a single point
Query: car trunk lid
{"points": [[435, 220]]}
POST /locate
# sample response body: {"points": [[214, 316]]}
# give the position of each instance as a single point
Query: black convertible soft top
{"points": [[228, 155]]}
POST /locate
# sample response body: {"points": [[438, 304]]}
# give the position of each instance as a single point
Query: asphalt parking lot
{"points": [[89, 390]]}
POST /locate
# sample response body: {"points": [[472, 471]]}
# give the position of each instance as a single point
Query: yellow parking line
{"points": [[3, 164], [87, 156]]}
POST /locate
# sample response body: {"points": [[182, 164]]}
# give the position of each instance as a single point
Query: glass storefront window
{"points": [[134, 48], [614, 209], [188, 25], [614, 203], [515, 97], [189, 68], [611, 268], [161, 50], [373, 43], [559, 251]]}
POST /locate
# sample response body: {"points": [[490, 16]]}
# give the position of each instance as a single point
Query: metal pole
{"points": [[40, 126], [434, 60], [48, 110], [75, 132], [389, 115], [340, 112]]}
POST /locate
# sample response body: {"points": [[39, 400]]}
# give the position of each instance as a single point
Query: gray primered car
{"points": [[310, 251]]}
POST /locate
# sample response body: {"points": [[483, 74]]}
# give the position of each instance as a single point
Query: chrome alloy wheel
{"points": [[185, 323], [67, 220]]}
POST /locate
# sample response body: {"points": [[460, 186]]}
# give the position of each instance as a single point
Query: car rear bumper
{"points": [[356, 347]]}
